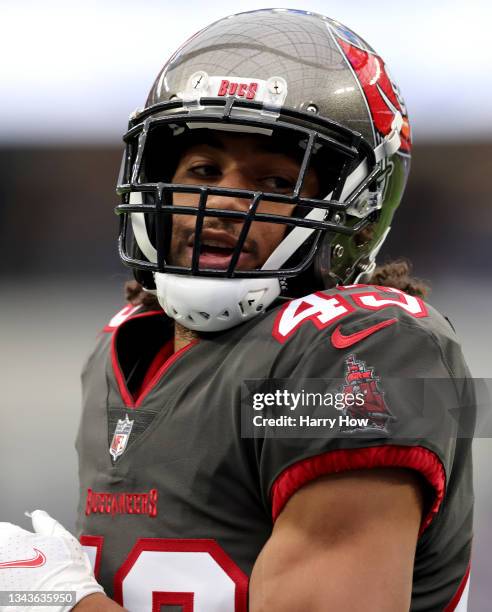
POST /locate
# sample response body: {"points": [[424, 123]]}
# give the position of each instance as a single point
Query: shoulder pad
{"points": [[121, 316], [346, 304]]}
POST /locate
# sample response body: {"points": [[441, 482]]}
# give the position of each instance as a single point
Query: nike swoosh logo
{"points": [[341, 341], [36, 561]]}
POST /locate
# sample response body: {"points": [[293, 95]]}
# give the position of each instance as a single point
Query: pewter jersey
{"points": [[183, 477]]}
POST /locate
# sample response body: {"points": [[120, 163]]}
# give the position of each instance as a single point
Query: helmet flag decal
{"points": [[382, 94]]}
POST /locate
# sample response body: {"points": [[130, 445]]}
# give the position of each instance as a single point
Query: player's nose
{"points": [[235, 180]]}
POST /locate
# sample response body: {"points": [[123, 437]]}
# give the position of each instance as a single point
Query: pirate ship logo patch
{"points": [[371, 413], [120, 437]]}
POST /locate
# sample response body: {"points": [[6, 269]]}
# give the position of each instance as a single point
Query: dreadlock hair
{"points": [[397, 274]]}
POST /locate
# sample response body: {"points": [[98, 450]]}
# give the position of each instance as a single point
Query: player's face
{"points": [[243, 162]]}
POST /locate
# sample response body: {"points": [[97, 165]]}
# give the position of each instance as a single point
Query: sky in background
{"points": [[73, 70]]}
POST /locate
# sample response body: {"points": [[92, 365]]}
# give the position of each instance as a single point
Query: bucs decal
{"points": [[360, 381], [271, 92], [239, 89], [121, 436], [382, 94]]}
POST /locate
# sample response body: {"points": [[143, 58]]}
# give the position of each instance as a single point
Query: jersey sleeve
{"points": [[407, 414]]}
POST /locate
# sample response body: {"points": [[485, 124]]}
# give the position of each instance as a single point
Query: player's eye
{"points": [[205, 171], [279, 183]]}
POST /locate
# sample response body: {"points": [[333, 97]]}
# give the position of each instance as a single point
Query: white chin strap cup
{"points": [[223, 302]]}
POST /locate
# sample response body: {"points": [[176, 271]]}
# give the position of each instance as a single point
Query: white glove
{"points": [[50, 559]]}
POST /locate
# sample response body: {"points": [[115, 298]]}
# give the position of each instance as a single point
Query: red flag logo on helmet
{"points": [[383, 96]]}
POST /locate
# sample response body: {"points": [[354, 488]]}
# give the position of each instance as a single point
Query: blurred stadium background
{"points": [[69, 76]]}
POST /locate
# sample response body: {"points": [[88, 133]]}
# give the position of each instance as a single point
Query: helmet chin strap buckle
{"points": [[365, 273], [366, 270]]}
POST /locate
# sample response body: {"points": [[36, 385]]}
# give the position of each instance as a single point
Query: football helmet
{"points": [[297, 77]]}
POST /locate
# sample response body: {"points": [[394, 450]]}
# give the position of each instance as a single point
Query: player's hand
{"points": [[50, 559]]}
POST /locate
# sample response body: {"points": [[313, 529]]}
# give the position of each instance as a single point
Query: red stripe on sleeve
{"points": [[418, 458]]}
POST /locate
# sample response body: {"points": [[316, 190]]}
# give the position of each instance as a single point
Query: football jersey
{"points": [[181, 480]]}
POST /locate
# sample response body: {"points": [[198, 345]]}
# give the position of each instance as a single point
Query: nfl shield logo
{"points": [[120, 437]]}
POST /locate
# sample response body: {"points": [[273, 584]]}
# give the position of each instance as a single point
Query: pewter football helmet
{"points": [[294, 76]]}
